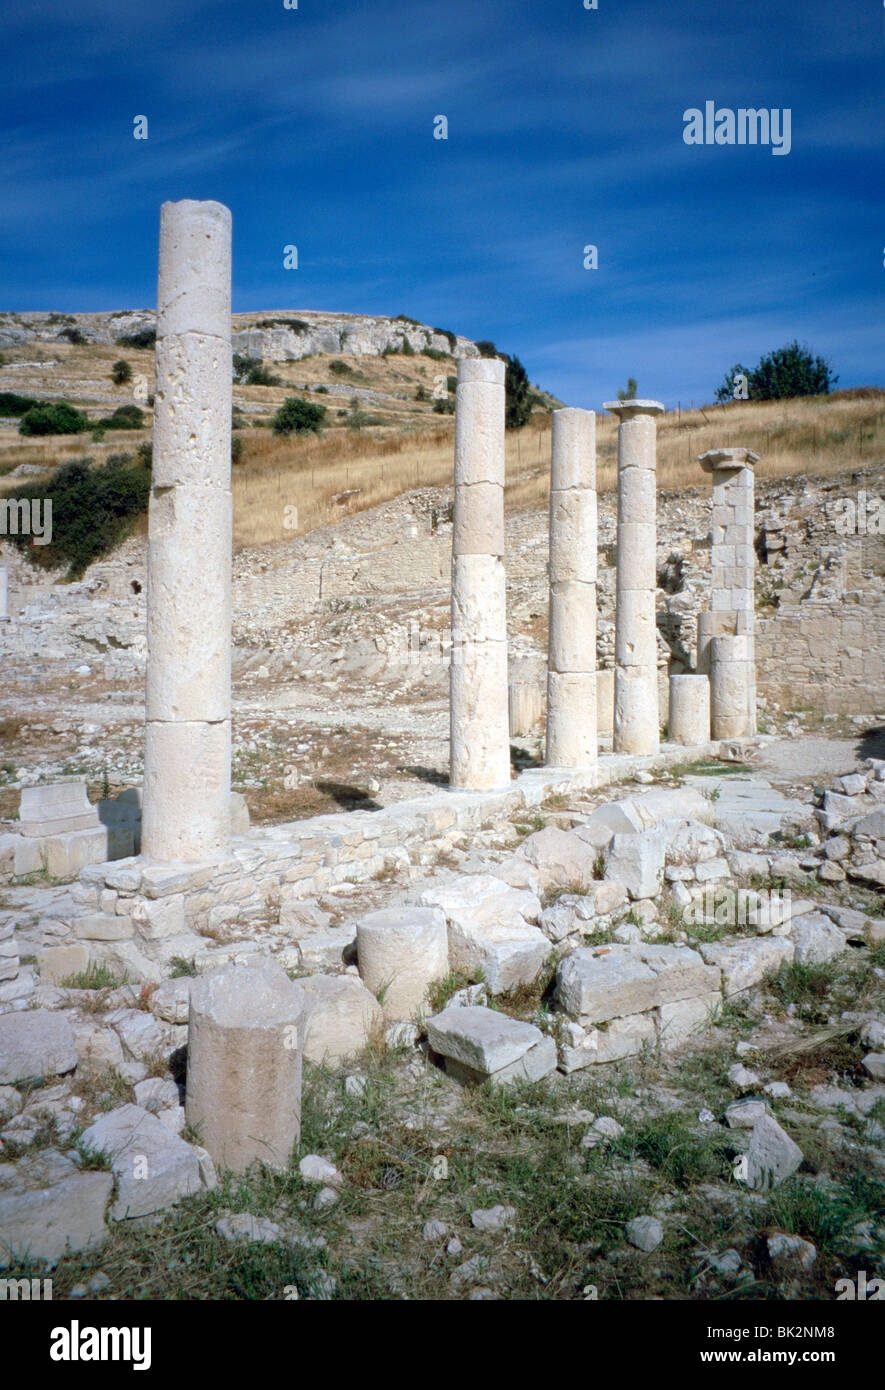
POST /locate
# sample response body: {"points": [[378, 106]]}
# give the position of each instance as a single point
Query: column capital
{"points": [[627, 409], [715, 459]]}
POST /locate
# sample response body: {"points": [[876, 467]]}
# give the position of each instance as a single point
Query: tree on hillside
{"points": [[121, 373], [788, 371], [517, 406], [298, 416]]}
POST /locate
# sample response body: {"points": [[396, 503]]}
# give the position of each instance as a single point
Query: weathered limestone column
{"points": [[188, 738], [688, 721], [245, 1046], [4, 594], [480, 743], [725, 634], [571, 657], [402, 951], [637, 720]]}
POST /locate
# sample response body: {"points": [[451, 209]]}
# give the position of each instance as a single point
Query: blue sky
{"points": [[315, 126]]}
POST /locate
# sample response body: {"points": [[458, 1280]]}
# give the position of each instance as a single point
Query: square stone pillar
{"points": [[479, 747], [726, 650], [571, 660], [190, 523], [637, 718]]}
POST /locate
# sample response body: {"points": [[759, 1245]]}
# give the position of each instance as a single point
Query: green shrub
{"points": [[486, 349], [53, 418], [236, 449], [444, 407], [12, 405], [340, 368], [121, 372], [125, 417], [297, 416], [144, 338], [250, 371], [451, 384], [294, 325], [407, 350], [787, 372], [73, 335], [516, 395], [93, 510], [434, 354]]}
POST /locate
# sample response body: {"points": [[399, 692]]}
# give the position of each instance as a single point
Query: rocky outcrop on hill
{"points": [[274, 337]]}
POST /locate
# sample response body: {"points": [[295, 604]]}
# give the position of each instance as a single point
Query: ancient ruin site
{"points": [[439, 861]]}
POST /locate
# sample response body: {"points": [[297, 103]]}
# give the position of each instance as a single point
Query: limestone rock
{"points": [[170, 1001], [637, 861], [746, 963], [645, 1232], [489, 930], [815, 938], [790, 1254], [34, 1043], [598, 983], [48, 1207], [480, 1044], [340, 1017], [497, 1218], [154, 1168], [771, 1157]]}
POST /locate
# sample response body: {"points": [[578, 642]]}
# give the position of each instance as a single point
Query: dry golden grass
{"points": [[819, 436]]}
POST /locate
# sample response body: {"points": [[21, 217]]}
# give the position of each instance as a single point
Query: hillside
{"points": [[380, 380]]}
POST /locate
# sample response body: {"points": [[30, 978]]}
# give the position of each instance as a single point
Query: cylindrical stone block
{"points": [[605, 701], [479, 422], [636, 713], [401, 953], [192, 411], [689, 711], [245, 1043], [636, 631], [478, 524], [189, 605], [186, 816], [187, 737], [571, 719], [636, 702], [479, 741], [479, 600], [479, 705], [572, 639], [731, 687], [193, 285], [573, 533], [571, 655], [732, 583], [709, 625], [526, 707]]}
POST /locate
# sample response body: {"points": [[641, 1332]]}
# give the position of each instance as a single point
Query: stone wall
{"points": [[136, 917], [826, 655]]}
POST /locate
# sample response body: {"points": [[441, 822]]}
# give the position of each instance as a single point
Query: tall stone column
{"points": [[480, 742], [186, 812], [726, 633], [637, 721], [571, 659]]}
